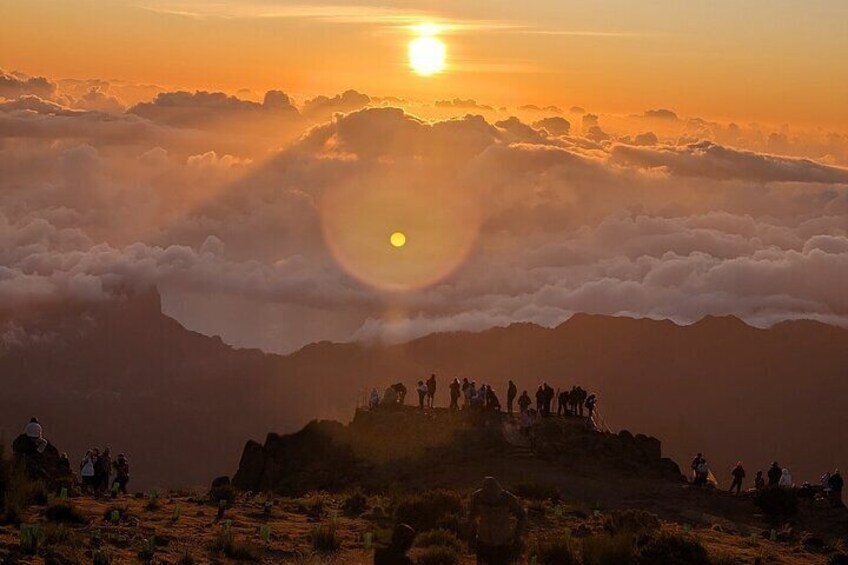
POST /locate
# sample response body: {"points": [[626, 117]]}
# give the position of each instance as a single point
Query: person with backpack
{"points": [[102, 470], [511, 392], [696, 462], [524, 402], [400, 390], [122, 473], [759, 481], [496, 519], [591, 404], [396, 552], [738, 473]]}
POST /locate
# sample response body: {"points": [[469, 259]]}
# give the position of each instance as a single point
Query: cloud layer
{"points": [[223, 204]]}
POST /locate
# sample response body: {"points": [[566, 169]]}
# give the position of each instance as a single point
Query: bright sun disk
{"points": [[427, 55], [398, 239]]}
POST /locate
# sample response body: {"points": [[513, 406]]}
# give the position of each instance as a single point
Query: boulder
{"points": [[47, 465]]}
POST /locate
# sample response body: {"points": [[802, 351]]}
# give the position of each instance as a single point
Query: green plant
{"points": [[440, 538], [31, 539], [325, 538], [101, 557], [438, 555], [152, 501], [777, 502], [609, 549], [355, 504], [551, 549], [428, 512], [65, 513], [671, 549], [631, 521]]}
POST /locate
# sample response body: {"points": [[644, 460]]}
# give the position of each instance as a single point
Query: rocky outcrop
{"points": [[412, 448], [46, 465]]}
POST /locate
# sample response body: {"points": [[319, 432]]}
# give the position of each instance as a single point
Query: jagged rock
{"points": [[46, 465]]}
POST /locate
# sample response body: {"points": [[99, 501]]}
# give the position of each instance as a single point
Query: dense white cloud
{"points": [[221, 203]]}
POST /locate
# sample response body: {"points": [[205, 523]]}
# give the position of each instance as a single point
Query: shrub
{"points": [[440, 538], [21, 492], [631, 521], [427, 512], [225, 543], [31, 539], [535, 491], [355, 504], [669, 549], [552, 549], [109, 513], [223, 492], [186, 559], [609, 549], [325, 538], [777, 502], [152, 501], [65, 513], [438, 555]]}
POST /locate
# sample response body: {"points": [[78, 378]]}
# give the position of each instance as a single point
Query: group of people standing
{"points": [[831, 484], [96, 470], [467, 394]]}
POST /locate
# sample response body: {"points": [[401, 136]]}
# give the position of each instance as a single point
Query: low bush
{"points": [[64, 513], [777, 502], [551, 549], [631, 521], [21, 492], [535, 491], [440, 538], [223, 492], [438, 555], [355, 504], [609, 549], [325, 538], [671, 549], [226, 544], [838, 559], [428, 512], [101, 557]]}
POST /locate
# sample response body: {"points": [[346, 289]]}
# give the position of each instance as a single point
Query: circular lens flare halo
{"points": [[433, 224]]}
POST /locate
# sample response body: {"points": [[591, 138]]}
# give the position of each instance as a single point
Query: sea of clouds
{"points": [[215, 199]]}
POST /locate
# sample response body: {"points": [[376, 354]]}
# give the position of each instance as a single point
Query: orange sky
{"points": [[776, 61]]}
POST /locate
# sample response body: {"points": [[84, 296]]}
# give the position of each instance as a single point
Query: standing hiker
{"points": [[524, 402], [422, 394], [738, 473], [454, 394], [122, 473], [431, 391], [511, 392], [774, 474]]}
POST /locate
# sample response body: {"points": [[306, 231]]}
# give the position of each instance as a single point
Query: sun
{"points": [[397, 239], [427, 55]]}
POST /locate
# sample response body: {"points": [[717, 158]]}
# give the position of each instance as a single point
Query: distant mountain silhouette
{"points": [[181, 404]]}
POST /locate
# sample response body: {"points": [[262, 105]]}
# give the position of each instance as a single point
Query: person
{"points": [[400, 390], [774, 474], [103, 469], [785, 478], [472, 394], [87, 470], [696, 462], [492, 401], [396, 552], [35, 434], [738, 473], [759, 481], [524, 402], [373, 399], [496, 520], [549, 399], [591, 404], [422, 394], [65, 462], [511, 392], [466, 398], [836, 483], [122, 473], [540, 399], [562, 402], [431, 390], [390, 397], [454, 394]]}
